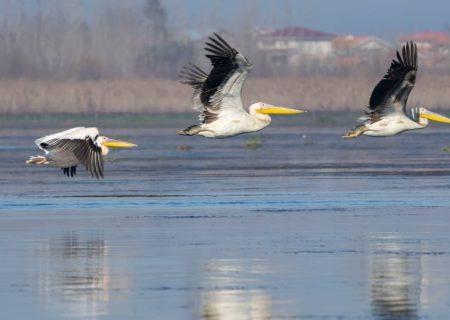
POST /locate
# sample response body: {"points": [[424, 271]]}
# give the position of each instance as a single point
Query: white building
{"points": [[291, 45]]}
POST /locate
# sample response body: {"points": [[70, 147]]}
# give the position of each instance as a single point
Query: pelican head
{"points": [[262, 111], [422, 115], [105, 142]]}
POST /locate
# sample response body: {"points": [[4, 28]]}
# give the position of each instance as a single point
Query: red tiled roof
{"points": [[300, 32], [428, 36], [349, 41]]}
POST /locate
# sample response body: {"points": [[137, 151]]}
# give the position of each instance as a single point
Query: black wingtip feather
{"points": [[192, 75], [406, 61], [219, 48], [220, 39], [408, 58]]}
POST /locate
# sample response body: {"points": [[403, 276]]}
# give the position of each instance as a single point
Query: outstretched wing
{"points": [[391, 93], [81, 142], [219, 91]]}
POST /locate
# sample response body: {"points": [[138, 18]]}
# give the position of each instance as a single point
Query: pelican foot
{"points": [[354, 133], [37, 160], [190, 131]]}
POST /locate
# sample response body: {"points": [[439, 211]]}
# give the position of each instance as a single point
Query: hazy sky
{"points": [[384, 18]]}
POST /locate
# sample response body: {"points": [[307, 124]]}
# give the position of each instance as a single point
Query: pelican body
{"points": [[70, 148], [217, 95], [386, 115]]}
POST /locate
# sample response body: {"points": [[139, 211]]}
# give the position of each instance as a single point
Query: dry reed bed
{"points": [[311, 93]]}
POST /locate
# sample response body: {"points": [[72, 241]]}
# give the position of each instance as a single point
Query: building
{"points": [[360, 45], [290, 46], [433, 48], [351, 51], [428, 40]]}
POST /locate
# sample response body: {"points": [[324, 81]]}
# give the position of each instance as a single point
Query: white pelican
{"points": [[387, 115], [217, 95], [68, 149]]}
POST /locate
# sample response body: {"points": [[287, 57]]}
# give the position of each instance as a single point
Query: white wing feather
{"points": [[228, 98], [75, 133]]}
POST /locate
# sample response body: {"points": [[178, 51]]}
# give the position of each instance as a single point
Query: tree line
{"points": [[116, 39], [60, 40]]}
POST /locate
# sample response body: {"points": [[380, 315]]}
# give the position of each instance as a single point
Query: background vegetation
{"points": [[55, 56]]}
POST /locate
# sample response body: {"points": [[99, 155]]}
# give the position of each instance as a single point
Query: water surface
{"points": [[308, 226]]}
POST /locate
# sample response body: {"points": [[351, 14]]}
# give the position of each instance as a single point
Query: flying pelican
{"points": [[68, 149], [387, 114], [217, 95]]}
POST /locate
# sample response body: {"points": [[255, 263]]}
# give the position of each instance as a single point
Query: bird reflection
{"points": [[395, 281], [231, 293], [74, 275]]}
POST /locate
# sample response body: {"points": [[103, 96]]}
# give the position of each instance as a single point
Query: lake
{"points": [[290, 223]]}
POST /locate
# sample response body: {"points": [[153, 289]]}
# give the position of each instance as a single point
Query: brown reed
{"points": [[314, 93]]}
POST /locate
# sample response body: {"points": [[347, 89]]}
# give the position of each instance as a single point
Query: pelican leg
{"points": [[65, 171], [37, 160], [70, 171], [191, 131], [355, 133]]}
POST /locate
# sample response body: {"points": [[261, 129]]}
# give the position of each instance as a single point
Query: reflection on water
{"points": [[396, 278], [236, 304], [232, 291], [74, 275]]}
